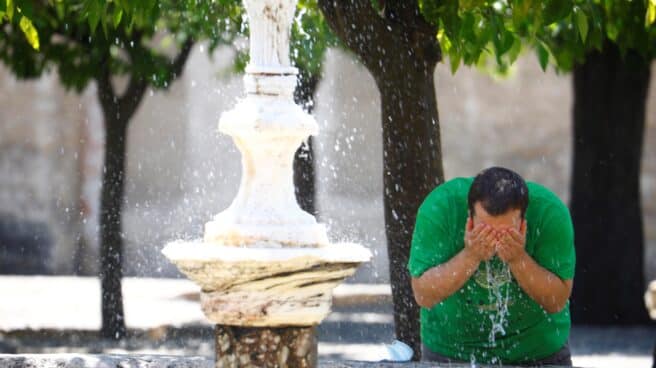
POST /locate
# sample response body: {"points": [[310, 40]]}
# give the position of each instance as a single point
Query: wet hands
{"points": [[510, 245], [483, 241], [480, 241]]}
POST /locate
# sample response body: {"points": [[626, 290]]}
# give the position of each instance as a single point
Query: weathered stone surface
{"points": [[271, 287], [289, 298], [162, 361], [242, 347], [102, 361]]}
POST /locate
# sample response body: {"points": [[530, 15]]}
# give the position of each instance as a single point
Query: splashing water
{"points": [[499, 299]]}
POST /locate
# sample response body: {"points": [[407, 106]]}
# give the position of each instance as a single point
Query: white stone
{"points": [[269, 26], [267, 130]]}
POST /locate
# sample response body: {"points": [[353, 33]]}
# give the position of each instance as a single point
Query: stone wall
{"points": [[39, 144]]}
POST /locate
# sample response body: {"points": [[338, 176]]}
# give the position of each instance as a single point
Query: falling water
{"points": [[496, 280]]}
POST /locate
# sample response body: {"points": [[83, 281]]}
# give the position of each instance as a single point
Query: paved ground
{"points": [[61, 315]]}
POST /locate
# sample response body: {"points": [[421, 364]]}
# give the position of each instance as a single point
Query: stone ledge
{"points": [[167, 361]]}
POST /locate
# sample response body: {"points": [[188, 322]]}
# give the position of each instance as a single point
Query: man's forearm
{"points": [[540, 284], [440, 282]]}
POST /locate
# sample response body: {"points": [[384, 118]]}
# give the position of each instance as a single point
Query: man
{"points": [[492, 263]]}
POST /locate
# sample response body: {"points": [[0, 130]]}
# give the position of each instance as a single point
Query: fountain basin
{"points": [[266, 284]]}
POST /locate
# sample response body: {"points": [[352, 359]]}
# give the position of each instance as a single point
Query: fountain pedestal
{"points": [[265, 302], [266, 347], [265, 266]]}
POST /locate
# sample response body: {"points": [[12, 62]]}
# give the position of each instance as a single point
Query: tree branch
{"points": [[358, 25], [180, 60], [106, 93], [137, 86]]}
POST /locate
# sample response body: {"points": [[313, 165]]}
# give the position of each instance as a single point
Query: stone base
{"points": [[264, 347]]}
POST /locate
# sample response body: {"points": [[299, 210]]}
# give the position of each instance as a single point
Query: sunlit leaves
{"points": [[560, 31], [80, 36], [10, 10], [650, 15], [30, 32]]}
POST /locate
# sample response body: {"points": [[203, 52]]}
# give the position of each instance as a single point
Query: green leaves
{"points": [[543, 55], [650, 14], [116, 19], [560, 31], [581, 23], [94, 10], [30, 32], [555, 10], [10, 10]]}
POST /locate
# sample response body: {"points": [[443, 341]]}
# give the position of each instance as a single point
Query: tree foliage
{"points": [[560, 31], [132, 37]]}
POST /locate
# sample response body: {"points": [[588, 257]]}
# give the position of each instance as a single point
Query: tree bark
{"points": [[111, 234], [610, 94], [400, 50], [304, 165], [412, 167]]}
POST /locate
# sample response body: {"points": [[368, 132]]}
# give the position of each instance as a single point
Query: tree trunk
{"points": [[400, 50], [117, 113], [304, 166], [412, 167], [111, 234], [609, 118]]}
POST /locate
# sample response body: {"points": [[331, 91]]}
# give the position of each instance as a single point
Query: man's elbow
{"points": [[421, 297], [423, 302], [559, 303], [554, 308]]}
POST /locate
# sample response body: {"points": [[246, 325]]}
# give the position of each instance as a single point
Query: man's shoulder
{"points": [[539, 193], [456, 188], [545, 205]]}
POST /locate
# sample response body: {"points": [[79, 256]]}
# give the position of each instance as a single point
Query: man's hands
{"points": [[480, 241], [483, 241], [511, 244]]}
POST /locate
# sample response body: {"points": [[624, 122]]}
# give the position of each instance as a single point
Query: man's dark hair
{"points": [[499, 190]]}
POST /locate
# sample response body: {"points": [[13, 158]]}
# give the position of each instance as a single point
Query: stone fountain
{"points": [[265, 267]]}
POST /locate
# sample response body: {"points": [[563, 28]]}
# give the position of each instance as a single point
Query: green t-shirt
{"points": [[461, 326]]}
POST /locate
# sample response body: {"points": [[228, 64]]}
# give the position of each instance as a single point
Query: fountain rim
{"points": [[198, 250]]}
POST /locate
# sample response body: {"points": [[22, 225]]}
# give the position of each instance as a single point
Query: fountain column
{"points": [[265, 266]]}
